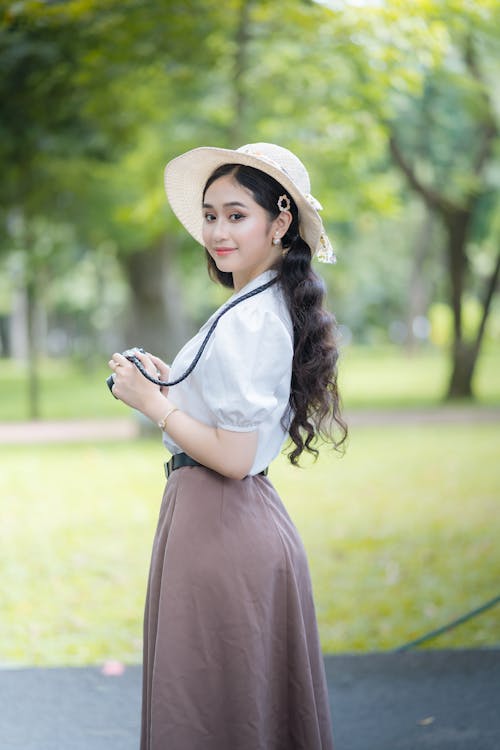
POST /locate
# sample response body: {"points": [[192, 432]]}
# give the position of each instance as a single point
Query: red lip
{"points": [[224, 250]]}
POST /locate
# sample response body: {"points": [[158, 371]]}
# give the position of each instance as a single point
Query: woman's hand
{"points": [[131, 386], [163, 371], [230, 453]]}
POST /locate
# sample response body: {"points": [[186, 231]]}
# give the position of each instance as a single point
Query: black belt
{"points": [[179, 460]]}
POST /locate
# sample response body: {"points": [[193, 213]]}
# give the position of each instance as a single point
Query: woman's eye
{"points": [[236, 217], [209, 217]]}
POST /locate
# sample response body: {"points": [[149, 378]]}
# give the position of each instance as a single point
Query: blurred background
{"points": [[394, 108]]}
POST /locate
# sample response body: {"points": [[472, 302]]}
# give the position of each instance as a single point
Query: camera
{"points": [[130, 355]]}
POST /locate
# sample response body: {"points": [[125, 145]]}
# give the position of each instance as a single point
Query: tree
{"points": [[428, 78], [458, 211], [43, 118], [74, 76]]}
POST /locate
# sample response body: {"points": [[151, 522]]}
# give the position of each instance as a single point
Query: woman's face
{"points": [[238, 233]]}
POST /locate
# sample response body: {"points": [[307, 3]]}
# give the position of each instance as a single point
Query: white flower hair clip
{"points": [[284, 203]]}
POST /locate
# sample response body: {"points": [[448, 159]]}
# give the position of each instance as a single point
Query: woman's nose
{"points": [[220, 229]]}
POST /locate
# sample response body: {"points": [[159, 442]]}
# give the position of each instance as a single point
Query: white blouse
{"points": [[242, 381]]}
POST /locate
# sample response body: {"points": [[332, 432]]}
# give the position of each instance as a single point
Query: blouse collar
{"points": [[263, 278], [259, 280]]}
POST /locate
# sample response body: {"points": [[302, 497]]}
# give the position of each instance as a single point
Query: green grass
{"points": [[402, 536], [376, 377], [391, 378], [68, 390]]}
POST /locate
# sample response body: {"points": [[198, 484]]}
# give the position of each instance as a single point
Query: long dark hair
{"points": [[314, 397]]}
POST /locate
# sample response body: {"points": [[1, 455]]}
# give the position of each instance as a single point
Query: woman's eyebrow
{"points": [[227, 205]]}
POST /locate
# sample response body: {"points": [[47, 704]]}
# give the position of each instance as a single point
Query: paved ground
{"points": [[68, 430], [43, 431], [422, 700]]}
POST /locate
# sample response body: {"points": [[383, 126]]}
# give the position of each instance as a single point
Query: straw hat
{"points": [[187, 175]]}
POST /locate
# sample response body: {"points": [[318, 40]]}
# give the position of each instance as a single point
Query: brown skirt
{"points": [[232, 659]]}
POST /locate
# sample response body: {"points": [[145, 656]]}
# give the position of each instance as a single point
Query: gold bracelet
{"points": [[162, 424]]}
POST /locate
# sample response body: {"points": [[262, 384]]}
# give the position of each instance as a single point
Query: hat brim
{"points": [[187, 175]]}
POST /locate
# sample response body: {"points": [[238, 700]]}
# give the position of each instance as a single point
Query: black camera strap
{"points": [[137, 362]]}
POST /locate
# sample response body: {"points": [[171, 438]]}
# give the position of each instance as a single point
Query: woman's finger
{"points": [[148, 363], [117, 360], [161, 366]]}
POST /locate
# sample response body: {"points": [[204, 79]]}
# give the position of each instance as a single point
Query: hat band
{"points": [[263, 157]]}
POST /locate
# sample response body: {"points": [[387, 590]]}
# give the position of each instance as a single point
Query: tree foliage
{"points": [[387, 103]]}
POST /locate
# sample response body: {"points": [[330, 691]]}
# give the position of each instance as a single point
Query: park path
{"points": [[82, 430], [67, 431], [421, 700]]}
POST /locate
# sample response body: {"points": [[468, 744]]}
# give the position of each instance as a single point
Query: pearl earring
{"points": [[276, 240]]}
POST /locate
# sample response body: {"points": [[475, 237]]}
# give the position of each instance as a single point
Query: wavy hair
{"points": [[314, 403]]}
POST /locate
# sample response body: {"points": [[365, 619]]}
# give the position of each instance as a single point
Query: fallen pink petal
{"points": [[113, 668]]}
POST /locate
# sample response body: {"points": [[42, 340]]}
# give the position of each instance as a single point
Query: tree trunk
{"points": [[489, 292], [464, 356], [32, 340], [156, 319], [457, 225], [464, 360], [4, 337]]}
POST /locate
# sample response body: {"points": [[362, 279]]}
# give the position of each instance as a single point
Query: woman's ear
{"points": [[282, 223]]}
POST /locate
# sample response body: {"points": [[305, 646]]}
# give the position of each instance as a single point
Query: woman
{"points": [[232, 658]]}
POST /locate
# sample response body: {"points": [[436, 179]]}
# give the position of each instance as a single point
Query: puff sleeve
{"points": [[247, 369]]}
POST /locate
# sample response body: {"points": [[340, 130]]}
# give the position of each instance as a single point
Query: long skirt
{"points": [[232, 659]]}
